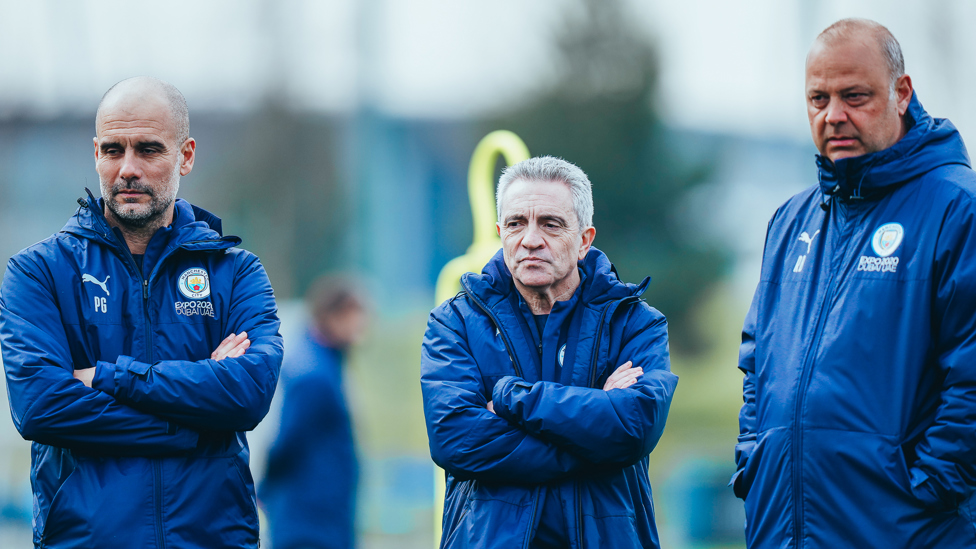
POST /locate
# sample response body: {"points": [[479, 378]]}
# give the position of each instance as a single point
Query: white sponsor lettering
{"points": [[190, 308], [878, 264]]}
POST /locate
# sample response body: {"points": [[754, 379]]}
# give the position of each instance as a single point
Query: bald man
{"points": [[139, 344], [859, 351]]}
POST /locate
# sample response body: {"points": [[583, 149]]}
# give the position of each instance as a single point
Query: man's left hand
{"points": [[85, 375], [232, 346]]}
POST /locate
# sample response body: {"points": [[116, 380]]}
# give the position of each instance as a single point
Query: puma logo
{"points": [[805, 237], [101, 284]]}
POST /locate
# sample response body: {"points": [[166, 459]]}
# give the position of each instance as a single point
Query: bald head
{"points": [[143, 89], [846, 30]]}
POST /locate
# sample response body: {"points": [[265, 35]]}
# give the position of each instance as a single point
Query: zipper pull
{"points": [[540, 348], [145, 289]]}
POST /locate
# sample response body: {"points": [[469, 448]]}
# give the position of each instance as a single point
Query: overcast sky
{"points": [[727, 66]]}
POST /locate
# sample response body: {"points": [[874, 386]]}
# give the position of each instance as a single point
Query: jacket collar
{"points": [[192, 227], [928, 144]]}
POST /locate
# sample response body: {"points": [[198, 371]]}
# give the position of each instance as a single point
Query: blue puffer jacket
{"points": [[155, 455], [859, 355], [591, 444]]}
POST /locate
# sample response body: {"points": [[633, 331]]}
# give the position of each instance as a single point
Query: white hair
{"points": [[550, 168]]}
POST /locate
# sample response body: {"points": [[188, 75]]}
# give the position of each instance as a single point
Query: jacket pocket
{"points": [[493, 515], [67, 516]]}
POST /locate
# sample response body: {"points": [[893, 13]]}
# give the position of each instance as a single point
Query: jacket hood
{"points": [[928, 144], [599, 280], [192, 226]]}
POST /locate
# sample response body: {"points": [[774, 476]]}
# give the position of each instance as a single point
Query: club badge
{"points": [[887, 239], [194, 283]]}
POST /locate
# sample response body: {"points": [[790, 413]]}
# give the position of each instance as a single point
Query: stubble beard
{"points": [[140, 217]]}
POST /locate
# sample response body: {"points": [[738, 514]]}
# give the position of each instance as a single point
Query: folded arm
{"points": [[230, 394], [465, 438], [47, 403], [614, 427]]}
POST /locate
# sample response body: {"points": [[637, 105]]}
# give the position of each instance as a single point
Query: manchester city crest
{"points": [[194, 283], [887, 239]]}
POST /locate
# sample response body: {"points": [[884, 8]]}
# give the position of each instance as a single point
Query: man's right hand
{"points": [[232, 346], [623, 377]]}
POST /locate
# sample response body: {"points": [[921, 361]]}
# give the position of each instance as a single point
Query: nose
{"points": [[130, 169], [836, 112], [532, 239]]}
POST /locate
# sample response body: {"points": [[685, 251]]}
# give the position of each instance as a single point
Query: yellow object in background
{"points": [[481, 192]]}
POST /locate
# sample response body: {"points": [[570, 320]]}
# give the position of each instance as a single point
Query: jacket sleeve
{"points": [[746, 442], [232, 394], [945, 472], [465, 438], [47, 403], [614, 428]]}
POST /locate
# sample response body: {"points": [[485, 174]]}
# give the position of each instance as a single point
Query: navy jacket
{"points": [[859, 354], [310, 486], [154, 455], [591, 444]]}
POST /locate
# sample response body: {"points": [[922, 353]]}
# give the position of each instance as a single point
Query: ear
{"points": [[95, 141], [903, 93], [187, 155], [586, 241], [498, 230]]}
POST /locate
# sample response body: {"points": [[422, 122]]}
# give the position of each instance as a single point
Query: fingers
{"points": [[623, 377], [491, 406], [232, 346]]}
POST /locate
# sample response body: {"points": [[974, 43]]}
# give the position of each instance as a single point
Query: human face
{"points": [[850, 103], [541, 237], [139, 161]]}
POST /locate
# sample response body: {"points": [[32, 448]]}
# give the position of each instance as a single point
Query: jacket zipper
{"points": [[157, 466], [504, 334], [805, 374], [518, 371]]}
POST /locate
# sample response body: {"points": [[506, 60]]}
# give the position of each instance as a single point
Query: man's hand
{"points": [[623, 377], [491, 406], [231, 347], [85, 375]]}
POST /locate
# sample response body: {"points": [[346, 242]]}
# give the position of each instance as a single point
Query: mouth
{"points": [[842, 141]]}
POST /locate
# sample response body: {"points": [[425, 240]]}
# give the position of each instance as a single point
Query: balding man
{"points": [[859, 351], [139, 344], [546, 382]]}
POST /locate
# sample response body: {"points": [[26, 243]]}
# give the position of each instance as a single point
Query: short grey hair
{"points": [[550, 168], [890, 49], [175, 100]]}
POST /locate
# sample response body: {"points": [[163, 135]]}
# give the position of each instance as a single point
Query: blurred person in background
{"points": [[546, 381], [309, 490], [139, 344], [859, 351]]}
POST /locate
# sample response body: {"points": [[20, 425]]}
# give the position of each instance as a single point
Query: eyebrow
{"points": [[139, 145]]}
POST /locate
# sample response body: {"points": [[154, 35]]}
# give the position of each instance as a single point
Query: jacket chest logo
{"points": [[808, 240], [101, 303], [194, 283], [885, 242]]}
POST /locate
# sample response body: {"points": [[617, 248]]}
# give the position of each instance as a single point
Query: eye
{"points": [[856, 97], [818, 101]]}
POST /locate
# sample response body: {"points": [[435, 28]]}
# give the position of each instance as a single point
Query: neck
{"points": [[137, 238], [541, 299]]}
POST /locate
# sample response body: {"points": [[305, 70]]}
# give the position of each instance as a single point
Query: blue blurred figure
{"points": [[309, 489]]}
